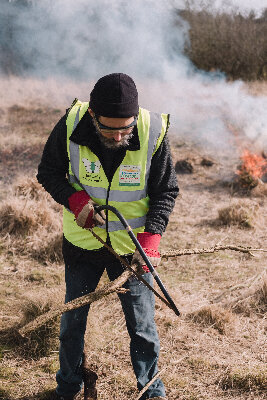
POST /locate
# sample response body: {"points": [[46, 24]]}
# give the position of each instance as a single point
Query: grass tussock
{"points": [[46, 246], [43, 340], [17, 218], [40, 342], [213, 316], [253, 300], [245, 380], [243, 214], [29, 188], [30, 222], [260, 190]]}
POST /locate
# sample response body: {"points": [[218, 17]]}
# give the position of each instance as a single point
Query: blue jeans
{"points": [[138, 306]]}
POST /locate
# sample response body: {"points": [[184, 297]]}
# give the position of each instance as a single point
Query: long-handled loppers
{"points": [[143, 254]]}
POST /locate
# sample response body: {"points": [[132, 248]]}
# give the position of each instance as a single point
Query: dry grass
{"points": [[43, 340], [215, 317], [245, 380], [30, 222], [40, 342], [260, 190], [28, 187], [253, 300], [200, 362], [240, 213]]}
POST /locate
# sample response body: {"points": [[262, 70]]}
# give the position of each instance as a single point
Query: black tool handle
{"points": [[141, 251]]}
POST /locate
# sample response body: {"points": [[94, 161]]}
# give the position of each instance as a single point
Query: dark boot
{"points": [[75, 397], [52, 395], [89, 380], [158, 398]]}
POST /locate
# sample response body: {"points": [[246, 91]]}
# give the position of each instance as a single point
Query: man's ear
{"points": [[90, 112]]}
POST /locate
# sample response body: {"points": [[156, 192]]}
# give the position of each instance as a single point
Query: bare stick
{"points": [[185, 252], [155, 377], [150, 383]]}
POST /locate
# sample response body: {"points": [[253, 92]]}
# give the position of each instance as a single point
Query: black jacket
{"points": [[53, 168]]}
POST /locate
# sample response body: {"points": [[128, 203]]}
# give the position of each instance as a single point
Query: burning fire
{"points": [[253, 165]]}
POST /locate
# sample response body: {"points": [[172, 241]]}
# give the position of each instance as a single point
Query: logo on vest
{"points": [[92, 169], [130, 175]]}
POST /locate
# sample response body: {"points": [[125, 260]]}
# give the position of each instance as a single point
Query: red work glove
{"points": [[82, 206], [150, 244]]}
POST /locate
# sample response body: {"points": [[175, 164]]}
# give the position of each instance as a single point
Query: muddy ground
{"points": [[215, 350]]}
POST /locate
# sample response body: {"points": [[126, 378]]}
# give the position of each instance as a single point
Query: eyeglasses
{"points": [[110, 130]]}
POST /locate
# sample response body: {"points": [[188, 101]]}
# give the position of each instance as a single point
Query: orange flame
{"points": [[253, 164]]}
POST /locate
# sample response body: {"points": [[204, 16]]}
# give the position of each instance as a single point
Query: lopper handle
{"points": [[141, 251]]}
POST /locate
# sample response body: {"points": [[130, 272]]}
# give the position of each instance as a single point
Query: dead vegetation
{"points": [[245, 380], [212, 352], [215, 317], [41, 341], [230, 42], [241, 213], [252, 300], [30, 222]]}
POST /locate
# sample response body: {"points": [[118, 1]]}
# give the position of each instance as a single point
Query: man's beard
{"points": [[112, 143]]}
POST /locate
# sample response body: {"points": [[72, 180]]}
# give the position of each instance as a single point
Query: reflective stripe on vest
{"points": [[117, 195]]}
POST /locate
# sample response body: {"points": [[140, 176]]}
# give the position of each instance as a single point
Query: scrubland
{"points": [[215, 350], [232, 43]]}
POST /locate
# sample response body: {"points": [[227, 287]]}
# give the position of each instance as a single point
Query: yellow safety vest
{"points": [[128, 189]]}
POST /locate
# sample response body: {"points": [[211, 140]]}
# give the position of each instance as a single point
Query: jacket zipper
{"points": [[109, 186]]}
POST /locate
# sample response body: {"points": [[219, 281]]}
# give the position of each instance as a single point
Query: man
{"points": [[115, 153]]}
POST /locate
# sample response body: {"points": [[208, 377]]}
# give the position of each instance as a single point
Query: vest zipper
{"points": [[109, 186]]}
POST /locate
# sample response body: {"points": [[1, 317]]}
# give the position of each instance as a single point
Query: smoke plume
{"points": [[56, 50]]}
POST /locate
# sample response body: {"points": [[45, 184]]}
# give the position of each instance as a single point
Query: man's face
{"points": [[117, 136]]}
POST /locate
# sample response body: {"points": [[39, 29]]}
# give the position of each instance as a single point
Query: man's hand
{"points": [[150, 244], [82, 206]]}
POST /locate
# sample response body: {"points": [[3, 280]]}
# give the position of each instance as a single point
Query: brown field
{"points": [[216, 350]]}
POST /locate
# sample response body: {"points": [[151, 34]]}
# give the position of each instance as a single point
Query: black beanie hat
{"points": [[115, 96]]}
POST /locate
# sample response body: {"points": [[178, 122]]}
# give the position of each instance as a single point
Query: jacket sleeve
{"points": [[162, 189], [54, 165]]}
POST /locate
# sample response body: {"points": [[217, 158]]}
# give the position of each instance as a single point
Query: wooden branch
{"points": [[185, 252], [150, 383], [116, 286], [155, 377], [109, 288]]}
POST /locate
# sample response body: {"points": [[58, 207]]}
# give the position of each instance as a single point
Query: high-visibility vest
{"points": [[128, 189]]}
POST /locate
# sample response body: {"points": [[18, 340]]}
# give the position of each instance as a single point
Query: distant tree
{"points": [[233, 43]]}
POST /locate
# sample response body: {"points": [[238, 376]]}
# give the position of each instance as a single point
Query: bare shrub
{"points": [[240, 213], [213, 316], [232, 43]]}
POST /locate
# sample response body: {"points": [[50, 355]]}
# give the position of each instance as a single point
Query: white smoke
{"points": [[62, 47]]}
